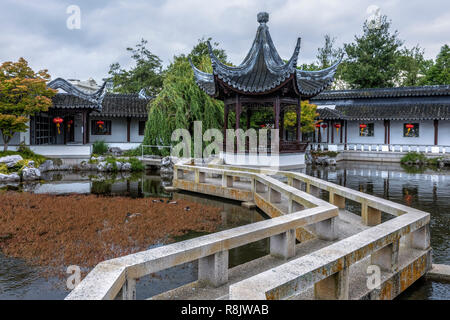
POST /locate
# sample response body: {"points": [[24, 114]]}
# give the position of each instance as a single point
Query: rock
{"points": [[126, 166], [29, 174], [31, 164], [331, 161], [11, 161], [47, 166], [104, 166], [9, 177], [115, 151]]}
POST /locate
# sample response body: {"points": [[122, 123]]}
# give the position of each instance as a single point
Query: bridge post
{"points": [[334, 287], [129, 289], [387, 257], [283, 245], [213, 269], [327, 229], [370, 216], [337, 200]]}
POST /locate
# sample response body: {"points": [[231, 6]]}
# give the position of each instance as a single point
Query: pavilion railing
{"points": [[379, 147]]}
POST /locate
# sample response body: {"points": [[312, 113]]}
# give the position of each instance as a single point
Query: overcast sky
{"points": [[37, 30]]}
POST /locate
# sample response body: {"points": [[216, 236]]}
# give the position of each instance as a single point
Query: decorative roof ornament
{"points": [[143, 95], [263, 70], [95, 98]]}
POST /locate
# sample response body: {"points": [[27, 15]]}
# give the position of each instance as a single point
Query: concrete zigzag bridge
{"points": [[318, 249]]}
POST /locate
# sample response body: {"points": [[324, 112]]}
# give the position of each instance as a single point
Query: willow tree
{"points": [[181, 102]]}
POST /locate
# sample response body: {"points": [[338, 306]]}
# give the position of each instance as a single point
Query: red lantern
{"points": [[318, 125], [337, 126], [100, 124], [409, 127], [362, 126], [324, 126], [69, 124], [58, 122]]}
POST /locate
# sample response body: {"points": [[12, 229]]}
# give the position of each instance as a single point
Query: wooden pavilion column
{"points": [[128, 129], [332, 131], [238, 119], [276, 111], [84, 119], [436, 132], [88, 127], [225, 125], [281, 124], [247, 140], [299, 120]]}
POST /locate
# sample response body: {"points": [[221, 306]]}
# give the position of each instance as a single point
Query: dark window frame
{"points": [[95, 129], [370, 130], [414, 133], [141, 130]]}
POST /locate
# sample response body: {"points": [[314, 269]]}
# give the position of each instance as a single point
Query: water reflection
{"points": [[425, 190]]}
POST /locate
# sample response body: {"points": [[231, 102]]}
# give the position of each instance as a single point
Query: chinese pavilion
{"points": [[264, 80]]}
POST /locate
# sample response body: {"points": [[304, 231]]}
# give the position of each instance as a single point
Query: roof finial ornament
{"points": [[263, 17]]}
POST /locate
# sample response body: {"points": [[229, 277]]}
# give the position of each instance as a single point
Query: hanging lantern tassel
{"points": [[100, 124], [337, 126], [362, 126], [58, 122], [409, 127], [69, 125]]}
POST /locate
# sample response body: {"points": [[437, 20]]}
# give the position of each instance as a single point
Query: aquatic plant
{"points": [[89, 229]]}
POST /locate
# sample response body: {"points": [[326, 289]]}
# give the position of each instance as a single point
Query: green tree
{"points": [[372, 59], [439, 73], [145, 74], [308, 117], [328, 54], [413, 66], [181, 101], [23, 93]]}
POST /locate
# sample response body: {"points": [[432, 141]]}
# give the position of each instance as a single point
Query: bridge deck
{"points": [[348, 225]]}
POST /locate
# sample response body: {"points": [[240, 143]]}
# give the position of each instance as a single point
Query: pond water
{"points": [[428, 190]]}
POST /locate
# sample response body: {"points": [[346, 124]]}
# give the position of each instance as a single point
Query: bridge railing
{"points": [[328, 269], [108, 278]]}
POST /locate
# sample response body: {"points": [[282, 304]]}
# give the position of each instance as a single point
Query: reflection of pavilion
{"points": [[264, 80]]}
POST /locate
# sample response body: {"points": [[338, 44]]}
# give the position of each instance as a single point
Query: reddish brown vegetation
{"points": [[57, 231]]}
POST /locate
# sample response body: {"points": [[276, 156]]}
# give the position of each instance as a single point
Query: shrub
{"points": [[133, 152], [414, 157], [100, 147], [136, 165]]}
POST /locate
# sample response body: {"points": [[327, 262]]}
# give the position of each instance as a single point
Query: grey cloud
{"points": [[37, 30]]}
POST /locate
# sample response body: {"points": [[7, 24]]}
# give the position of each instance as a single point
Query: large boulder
{"points": [[9, 177], [11, 161], [115, 151], [30, 173]]}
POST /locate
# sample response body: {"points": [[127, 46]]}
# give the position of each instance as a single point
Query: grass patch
{"points": [[100, 147]]}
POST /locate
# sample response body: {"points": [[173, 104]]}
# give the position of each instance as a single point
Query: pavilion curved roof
{"points": [[263, 69]]}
